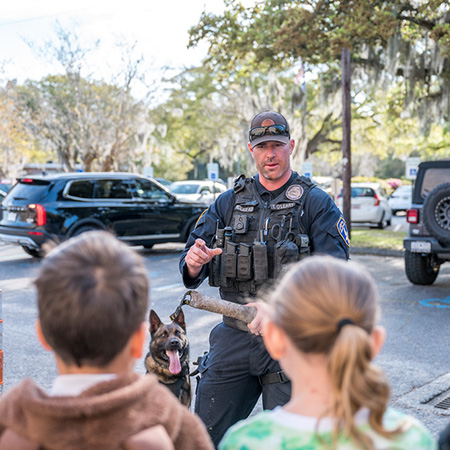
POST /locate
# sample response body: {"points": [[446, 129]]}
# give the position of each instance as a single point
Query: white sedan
{"points": [[369, 204], [197, 191]]}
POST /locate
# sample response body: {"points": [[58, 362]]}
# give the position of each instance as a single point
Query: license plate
{"points": [[12, 216], [421, 247]]}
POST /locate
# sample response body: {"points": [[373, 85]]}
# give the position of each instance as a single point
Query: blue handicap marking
{"points": [[436, 302]]}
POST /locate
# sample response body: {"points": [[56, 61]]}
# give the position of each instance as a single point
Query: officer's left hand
{"points": [[264, 313]]}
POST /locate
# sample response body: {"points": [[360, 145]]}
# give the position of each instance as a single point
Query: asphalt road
{"points": [[415, 356]]}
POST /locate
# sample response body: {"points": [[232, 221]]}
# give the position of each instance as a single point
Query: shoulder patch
{"points": [[342, 230], [294, 192]]}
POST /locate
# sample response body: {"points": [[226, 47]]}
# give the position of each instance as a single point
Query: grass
{"points": [[369, 237]]}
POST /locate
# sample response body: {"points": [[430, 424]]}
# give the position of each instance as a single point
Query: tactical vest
{"points": [[261, 238]]}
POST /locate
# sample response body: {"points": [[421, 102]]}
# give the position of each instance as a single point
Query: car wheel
{"points": [[148, 246], [436, 213], [34, 252], [82, 230], [382, 223], [419, 268]]}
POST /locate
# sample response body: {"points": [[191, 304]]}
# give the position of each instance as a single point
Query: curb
{"points": [[376, 251]]}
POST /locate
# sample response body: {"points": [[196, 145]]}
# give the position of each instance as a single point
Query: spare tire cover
{"points": [[436, 213]]}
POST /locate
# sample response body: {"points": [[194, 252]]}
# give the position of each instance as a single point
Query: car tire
{"points": [[436, 213], [419, 269], [148, 246], [82, 230], [34, 252], [382, 223]]}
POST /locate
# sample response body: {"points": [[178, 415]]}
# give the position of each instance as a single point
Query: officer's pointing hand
{"points": [[199, 255]]}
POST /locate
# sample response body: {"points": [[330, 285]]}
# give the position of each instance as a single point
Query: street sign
{"points": [[307, 169], [411, 168], [148, 171], [213, 171]]}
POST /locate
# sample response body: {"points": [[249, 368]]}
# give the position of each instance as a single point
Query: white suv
{"points": [[369, 205]]}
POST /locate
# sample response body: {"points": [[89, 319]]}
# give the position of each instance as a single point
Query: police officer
{"points": [[242, 243]]}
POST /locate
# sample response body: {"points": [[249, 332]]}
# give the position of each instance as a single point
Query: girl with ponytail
{"points": [[321, 327]]}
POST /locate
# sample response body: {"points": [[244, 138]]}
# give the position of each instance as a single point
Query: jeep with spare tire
{"points": [[427, 244]]}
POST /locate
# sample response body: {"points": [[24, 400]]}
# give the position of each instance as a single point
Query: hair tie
{"points": [[343, 322]]}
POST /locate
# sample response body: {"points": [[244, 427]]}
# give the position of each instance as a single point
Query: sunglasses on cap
{"points": [[273, 130]]}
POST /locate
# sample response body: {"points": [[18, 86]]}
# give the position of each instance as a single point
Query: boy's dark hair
{"points": [[92, 294]]}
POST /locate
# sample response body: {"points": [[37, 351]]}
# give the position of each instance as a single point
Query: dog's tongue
{"points": [[174, 366]]}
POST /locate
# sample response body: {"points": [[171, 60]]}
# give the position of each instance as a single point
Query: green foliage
{"points": [[390, 167], [83, 121], [400, 43], [189, 121], [276, 32]]}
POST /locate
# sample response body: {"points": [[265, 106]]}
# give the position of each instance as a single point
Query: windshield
{"points": [[184, 188]]}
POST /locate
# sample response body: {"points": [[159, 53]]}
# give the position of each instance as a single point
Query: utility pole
{"points": [[346, 138]]}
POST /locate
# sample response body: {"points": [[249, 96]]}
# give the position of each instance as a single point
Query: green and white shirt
{"points": [[282, 430]]}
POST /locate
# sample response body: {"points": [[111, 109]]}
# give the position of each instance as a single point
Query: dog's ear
{"points": [[154, 321], [180, 320]]}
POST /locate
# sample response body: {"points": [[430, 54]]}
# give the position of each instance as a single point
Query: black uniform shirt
{"points": [[320, 218]]}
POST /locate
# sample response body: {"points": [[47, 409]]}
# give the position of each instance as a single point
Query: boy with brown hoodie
{"points": [[92, 294]]}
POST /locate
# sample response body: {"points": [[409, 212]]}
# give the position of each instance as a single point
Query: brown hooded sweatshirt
{"points": [[104, 417]]}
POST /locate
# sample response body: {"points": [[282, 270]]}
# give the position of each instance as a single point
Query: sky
{"points": [[159, 28]]}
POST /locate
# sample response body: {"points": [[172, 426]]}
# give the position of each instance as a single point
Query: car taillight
{"points": [[377, 200], [41, 217], [412, 215]]}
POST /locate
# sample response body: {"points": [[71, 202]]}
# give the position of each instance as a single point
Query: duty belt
{"points": [[272, 378], [235, 323]]}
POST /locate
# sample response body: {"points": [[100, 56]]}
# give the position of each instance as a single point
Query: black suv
{"points": [[138, 210], [427, 245]]}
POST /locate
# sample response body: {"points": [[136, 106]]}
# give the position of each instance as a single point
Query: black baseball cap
{"points": [[269, 126]]}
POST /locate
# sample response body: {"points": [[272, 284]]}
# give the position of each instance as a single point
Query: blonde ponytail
{"points": [[327, 306]]}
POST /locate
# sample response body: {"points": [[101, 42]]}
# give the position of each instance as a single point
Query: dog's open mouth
{"points": [[174, 361]]}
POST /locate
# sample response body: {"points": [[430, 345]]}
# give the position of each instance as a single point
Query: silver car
{"points": [[197, 191]]}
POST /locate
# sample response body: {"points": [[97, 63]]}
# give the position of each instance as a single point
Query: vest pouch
{"points": [[302, 241], [285, 252], [260, 266], [230, 259], [244, 267], [214, 270]]}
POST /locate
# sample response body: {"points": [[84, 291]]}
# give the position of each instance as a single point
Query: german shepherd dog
{"points": [[168, 356]]}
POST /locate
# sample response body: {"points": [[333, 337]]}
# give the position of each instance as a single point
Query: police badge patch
{"points": [[294, 192], [342, 229]]}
